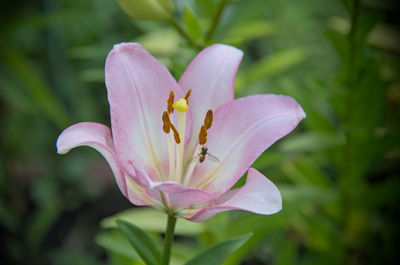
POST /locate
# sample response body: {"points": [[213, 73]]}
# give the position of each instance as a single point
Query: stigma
{"points": [[181, 104], [180, 170]]}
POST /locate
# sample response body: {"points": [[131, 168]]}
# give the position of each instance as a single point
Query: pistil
{"points": [[175, 151], [181, 106], [170, 142]]}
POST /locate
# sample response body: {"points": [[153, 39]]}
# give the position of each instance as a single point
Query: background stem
{"points": [[183, 33], [351, 82], [216, 18], [169, 236]]}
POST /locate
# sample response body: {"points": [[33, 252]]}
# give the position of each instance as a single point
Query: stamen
{"points": [[209, 119], [188, 95], [170, 102], [176, 134], [180, 104], [181, 107], [171, 154], [166, 122], [191, 167], [203, 135]]}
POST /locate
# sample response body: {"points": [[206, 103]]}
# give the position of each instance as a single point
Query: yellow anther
{"points": [[180, 104], [209, 119], [187, 96], [176, 134], [203, 135], [170, 102], [166, 122]]}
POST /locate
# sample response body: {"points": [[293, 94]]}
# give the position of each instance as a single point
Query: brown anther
{"points": [[170, 102], [209, 119], [187, 96], [166, 122], [176, 134], [203, 135]]}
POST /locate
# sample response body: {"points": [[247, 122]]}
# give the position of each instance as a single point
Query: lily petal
{"points": [[242, 130], [211, 77], [180, 197], [175, 195], [138, 87], [97, 136], [258, 195]]}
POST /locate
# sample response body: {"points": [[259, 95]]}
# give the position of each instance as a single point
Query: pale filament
{"points": [[180, 146], [192, 165], [171, 155], [176, 140]]}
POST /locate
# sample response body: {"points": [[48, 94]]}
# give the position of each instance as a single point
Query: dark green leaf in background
{"points": [[141, 242], [217, 253]]}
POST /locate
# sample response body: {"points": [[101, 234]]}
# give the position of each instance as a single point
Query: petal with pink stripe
{"points": [[211, 77], [138, 87], [241, 131], [97, 136], [258, 195]]}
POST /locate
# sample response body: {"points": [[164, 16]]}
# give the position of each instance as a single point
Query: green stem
{"points": [[216, 18], [183, 33], [351, 82], [169, 236]]}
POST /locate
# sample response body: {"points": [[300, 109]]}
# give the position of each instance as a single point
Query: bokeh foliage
{"points": [[338, 172]]}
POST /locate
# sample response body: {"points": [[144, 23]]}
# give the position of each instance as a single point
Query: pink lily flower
{"points": [[181, 146]]}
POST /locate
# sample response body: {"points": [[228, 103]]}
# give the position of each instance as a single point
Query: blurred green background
{"points": [[338, 172]]}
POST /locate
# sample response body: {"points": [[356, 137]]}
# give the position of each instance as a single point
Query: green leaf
{"points": [[37, 87], [312, 142], [272, 65], [153, 220], [192, 24], [219, 252], [113, 240], [147, 9], [168, 47], [141, 242], [249, 30]]}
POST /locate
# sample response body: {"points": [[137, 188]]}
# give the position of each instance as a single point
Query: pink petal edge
{"points": [[97, 136], [259, 195], [138, 88], [211, 76], [241, 131], [175, 194]]}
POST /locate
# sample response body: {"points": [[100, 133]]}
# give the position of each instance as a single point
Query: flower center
{"points": [[176, 139]]}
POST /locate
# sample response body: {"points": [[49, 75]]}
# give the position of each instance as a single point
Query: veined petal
{"points": [[258, 195], [211, 77], [180, 197], [97, 136], [138, 87], [242, 130], [175, 195]]}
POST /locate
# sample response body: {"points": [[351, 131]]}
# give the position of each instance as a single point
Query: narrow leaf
{"points": [[192, 24], [141, 242], [219, 252]]}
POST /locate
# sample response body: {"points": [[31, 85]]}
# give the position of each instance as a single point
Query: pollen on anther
{"points": [[176, 134], [209, 119], [188, 95], [170, 102], [203, 135], [166, 122]]}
